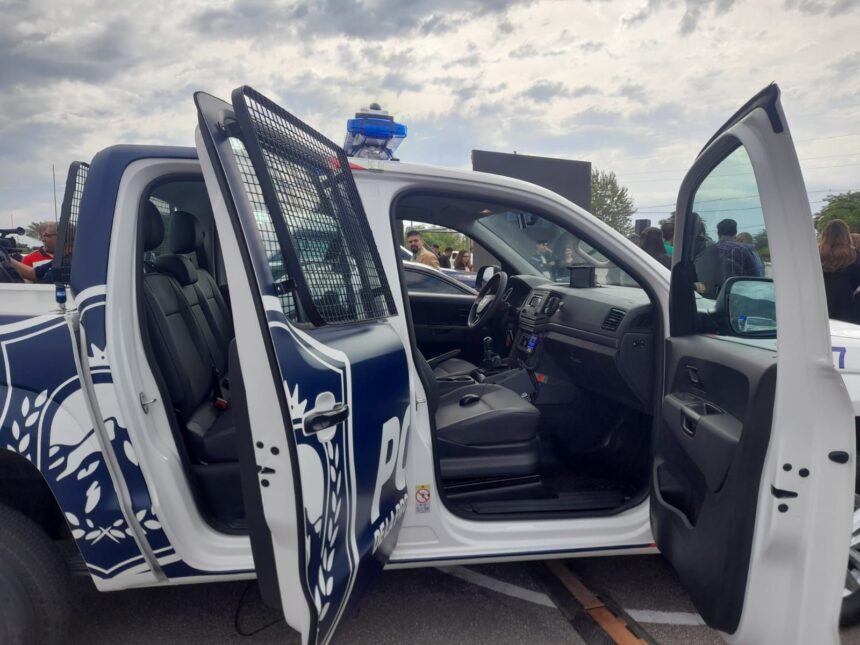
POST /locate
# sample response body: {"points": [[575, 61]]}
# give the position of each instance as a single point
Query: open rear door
{"points": [[319, 379], [753, 474]]}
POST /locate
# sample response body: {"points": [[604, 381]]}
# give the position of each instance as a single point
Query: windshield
{"points": [[550, 250]]}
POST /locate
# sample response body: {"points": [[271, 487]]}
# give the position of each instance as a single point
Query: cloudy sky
{"points": [[636, 87]]}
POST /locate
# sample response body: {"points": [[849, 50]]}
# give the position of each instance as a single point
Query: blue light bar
{"points": [[373, 134]]}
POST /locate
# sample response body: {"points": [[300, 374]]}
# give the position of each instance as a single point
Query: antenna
{"points": [[54, 176]]}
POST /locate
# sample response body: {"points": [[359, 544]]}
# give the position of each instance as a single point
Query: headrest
{"points": [[153, 226], [185, 233], [178, 266]]}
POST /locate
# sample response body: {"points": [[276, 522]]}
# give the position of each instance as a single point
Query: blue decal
{"points": [[840, 351]]}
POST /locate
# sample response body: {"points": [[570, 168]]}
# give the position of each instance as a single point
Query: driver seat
{"points": [[443, 367], [483, 430]]}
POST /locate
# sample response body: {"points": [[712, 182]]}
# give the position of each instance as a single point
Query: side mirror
{"points": [[746, 307], [484, 274]]}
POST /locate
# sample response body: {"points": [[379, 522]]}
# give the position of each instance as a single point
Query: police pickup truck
{"points": [[230, 379]]}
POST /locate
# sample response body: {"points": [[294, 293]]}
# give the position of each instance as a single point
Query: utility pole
{"points": [[54, 176]]}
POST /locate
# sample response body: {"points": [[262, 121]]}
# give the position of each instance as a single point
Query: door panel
{"points": [[710, 451], [326, 453], [441, 324], [751, 499]]}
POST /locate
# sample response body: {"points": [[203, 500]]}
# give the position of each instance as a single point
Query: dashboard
{"points": [[598, 338]]}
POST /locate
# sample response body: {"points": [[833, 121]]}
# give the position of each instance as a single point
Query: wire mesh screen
{"points": [[265, 227], [69, 211], [315, 195]]}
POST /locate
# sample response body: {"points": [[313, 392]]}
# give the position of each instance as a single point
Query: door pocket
{"points": [[707, 434]]}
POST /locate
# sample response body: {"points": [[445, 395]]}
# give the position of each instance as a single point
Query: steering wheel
{"points": [[488, 300]]}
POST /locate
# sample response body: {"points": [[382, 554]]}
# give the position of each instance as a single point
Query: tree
{"points": [[611, 202], [34, 230], [844, 206]]}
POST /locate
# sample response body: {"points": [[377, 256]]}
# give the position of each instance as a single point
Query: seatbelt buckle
{"points": [[220, 404]]}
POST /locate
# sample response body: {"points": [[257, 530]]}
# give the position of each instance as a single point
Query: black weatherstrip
{"points": [[61, 268]]}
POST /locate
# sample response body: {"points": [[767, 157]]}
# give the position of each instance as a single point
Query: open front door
{"points": [[319, 379], [753, 471]]}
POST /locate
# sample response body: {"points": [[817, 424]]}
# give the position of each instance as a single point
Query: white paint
{"points": [[658, 617], [505, 588]]}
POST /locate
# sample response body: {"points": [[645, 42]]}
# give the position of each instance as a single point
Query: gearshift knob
{"points": [[488, 344]]}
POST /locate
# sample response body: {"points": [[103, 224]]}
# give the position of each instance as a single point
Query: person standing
{"points": [[746, 238], [415, 242], [463, 261], [736, 259], [651, 241], [668, 231], [445, 258], [841, 270], [45, 253]]}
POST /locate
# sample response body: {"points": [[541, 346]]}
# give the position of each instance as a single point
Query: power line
{"points": [[725, 199]]}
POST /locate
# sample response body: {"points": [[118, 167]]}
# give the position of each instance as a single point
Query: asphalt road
{"points": [[498, 604]]}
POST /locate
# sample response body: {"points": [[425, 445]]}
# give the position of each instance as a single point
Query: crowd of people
{"points": [[435, 257], [732, 255]]}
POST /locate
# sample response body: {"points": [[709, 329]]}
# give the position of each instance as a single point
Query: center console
{"points": [[534, 317]]}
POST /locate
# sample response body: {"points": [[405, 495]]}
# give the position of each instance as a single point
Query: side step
{"points": [[597, 500]]}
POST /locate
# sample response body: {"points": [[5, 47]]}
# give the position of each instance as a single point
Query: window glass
{"points": [[443, 248], [422, 282], [549, 249], [729, 240], [265, 227]]}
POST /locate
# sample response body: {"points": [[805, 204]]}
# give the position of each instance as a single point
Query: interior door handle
{"points": [[689, 421], [319, 421]]}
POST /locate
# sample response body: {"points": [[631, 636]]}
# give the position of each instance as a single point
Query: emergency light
{"points": [[373, 134]]}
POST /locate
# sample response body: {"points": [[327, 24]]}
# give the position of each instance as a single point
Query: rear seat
{"points": [[186, 350], [186, 238]]}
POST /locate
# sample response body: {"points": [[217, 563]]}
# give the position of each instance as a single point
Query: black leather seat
{"points": [[482, 430], [453, 367], [185, 350], [186, 238]]}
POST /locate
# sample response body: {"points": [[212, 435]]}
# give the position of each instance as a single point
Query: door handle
{"points": [[319, 421], [689, 421]]}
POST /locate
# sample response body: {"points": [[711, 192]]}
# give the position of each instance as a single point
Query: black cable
{"points": [[239, 611]]}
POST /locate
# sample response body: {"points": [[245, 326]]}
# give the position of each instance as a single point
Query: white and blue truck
{"points": [[232, 376]]}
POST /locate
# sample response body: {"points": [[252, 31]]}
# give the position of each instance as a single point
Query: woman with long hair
{"points": [[463, 261], [651, 241], [841, 270]]}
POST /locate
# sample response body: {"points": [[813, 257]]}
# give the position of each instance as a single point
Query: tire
{"points": [[34, 584], [850, 612]]}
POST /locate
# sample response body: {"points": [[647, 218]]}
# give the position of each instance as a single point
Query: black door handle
{"points": [[319, 421], [689, 421]]}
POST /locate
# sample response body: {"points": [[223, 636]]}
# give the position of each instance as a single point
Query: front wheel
{"points": [[34, 584]]}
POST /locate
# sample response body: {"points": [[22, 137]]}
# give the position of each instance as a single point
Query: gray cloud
{"points": [[693, 12], [544, 91], [591, 47], [469, 60], [848, 65], [383, 20], [815, 7], [46, 55], [632, 91]]}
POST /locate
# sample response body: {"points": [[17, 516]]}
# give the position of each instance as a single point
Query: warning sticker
{"points": [[422, 498]]}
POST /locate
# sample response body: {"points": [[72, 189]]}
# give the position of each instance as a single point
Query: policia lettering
{"points": [[392, 463]]}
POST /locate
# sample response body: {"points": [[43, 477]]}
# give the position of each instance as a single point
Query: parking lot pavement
{"points": [[501, 604]]}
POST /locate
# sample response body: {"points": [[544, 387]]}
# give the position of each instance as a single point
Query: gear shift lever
{"points": [[491, 360]]}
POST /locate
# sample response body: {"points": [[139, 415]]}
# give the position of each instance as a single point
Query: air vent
{"points": [[551, 305], [613, 319]]}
